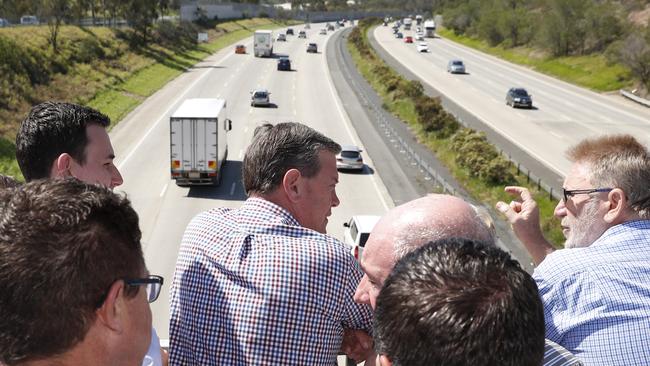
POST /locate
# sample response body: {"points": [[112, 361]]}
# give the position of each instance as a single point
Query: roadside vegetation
{"points": [[106, 68], [472, 160]]}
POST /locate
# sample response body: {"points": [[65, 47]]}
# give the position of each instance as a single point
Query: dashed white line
{"points": [[245, 129], [162, 193], [241, 153], [232, 189]]}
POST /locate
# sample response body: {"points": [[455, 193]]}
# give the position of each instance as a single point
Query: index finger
{"points": [[523, 192]]}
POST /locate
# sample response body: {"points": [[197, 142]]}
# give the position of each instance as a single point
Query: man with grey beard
{"points": [[596, 291]]}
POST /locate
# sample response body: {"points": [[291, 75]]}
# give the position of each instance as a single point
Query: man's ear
{"points": [[61, 166], [383, 360], [110, 314], [617, 210], [292, 184]]}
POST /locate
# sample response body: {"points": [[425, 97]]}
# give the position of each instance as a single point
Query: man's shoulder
{"points": [[556, 355]]}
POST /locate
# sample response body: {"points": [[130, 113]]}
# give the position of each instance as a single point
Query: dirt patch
{"points": [[640, 17]]}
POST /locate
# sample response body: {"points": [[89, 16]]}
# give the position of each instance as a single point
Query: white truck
{"points": [[407, 23], [198, 141], [418, 19], [263, 43], [429, 29]]}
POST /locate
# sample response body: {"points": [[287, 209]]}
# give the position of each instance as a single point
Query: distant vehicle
{"points": [[395, 30], [456, 67], [430, 29], [519, 97], [198, 141], [419, 36], [408, 39], [422, 47], [29, 20], [290, 30], [240, 48], [329, 27], [284, 64], [307, 26], [399, 35], [407, 23], [4, 23], [260, 97], [356, 232], [302, 34], [418, 19], [263, 43], [312, 48], [349, 158], [322, 31], [281, 37]]}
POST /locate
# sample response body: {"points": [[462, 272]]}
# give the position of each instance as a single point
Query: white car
{"points": [[423, 47], [419, 36], [260, 97], [357, 231], [349, 158], [282, 37], [456, 67], [322, 31]]}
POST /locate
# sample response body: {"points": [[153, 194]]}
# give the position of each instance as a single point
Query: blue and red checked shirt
{"points": [[597, 299], [254, 287]]}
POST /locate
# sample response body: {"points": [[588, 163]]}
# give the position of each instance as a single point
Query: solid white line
{"points": [[245, 129], [346, 123], [241, 153], [232, 189], [162, 193], [164, 114]]}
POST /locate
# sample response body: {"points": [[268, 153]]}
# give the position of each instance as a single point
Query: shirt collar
{"points": [[622, 229], [270, 210]]}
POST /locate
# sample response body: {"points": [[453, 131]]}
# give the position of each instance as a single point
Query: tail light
{"points": [[356, 253], [176, 164], [212, 164]]}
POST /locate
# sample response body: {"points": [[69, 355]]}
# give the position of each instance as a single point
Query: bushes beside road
{"points": [[474, 162]]}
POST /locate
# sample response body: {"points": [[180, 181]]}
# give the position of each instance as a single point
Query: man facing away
{"points": [[413, 224], [59, 140], [263, 284], [596, 292], [473, 303], [75, 290]]}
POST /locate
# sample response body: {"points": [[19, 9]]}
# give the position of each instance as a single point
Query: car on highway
{"points": [[456, 66], [240, 48], [399, 35], [419, 36], [322, 31], [356, 232], [349, 158], [29, 20], [260, 97], [330, 27], [302, 34], [4, 23], [282, 37], [422, 47], [290, 31], [519, 97], [284, 64], [408, 39], [307, 26], [312, 48]]}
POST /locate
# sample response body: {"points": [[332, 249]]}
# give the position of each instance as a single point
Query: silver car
{"points": [[260, 97], [349, 158], [456, 67]]}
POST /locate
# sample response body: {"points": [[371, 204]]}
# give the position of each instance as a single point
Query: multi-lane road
{"points": [[563, 115], [305, 95]]}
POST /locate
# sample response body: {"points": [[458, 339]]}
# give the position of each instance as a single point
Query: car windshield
{"points": [[350, 154], [260, 94], [457, 63], [520, 92], [363, 239]]}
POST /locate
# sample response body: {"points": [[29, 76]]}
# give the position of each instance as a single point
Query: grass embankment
{"points": [[95, 66], [404, 107], [592, 71]]}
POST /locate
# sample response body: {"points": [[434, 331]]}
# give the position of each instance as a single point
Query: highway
{"points": [[305, 95], [563, 114]]}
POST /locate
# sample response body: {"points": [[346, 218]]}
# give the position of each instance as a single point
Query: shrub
{"points": [[87, 50]]}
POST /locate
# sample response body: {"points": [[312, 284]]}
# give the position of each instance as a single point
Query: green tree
{"points": [[635, 54], [140, 15], [55, 11]]}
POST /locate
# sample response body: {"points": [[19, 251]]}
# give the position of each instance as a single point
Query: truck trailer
{"points": [[263, 43], [430, 29], [407, 23], [198, 141]]}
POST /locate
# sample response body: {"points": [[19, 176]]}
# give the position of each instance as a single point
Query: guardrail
{"points": [[635, 98]]}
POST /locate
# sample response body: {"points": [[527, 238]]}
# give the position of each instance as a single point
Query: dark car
{"points": [[284, 64], [519, 97], [290, 31], [399, 35], [312, 48]]}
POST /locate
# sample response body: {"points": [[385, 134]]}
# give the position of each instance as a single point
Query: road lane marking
{"points": [[162, 193], [241, 153], [232, 189]]}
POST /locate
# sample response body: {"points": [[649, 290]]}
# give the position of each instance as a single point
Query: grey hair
{"points": [[277, 148], [618, 161]]}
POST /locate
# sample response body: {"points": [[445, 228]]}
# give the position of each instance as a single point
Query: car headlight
{"points": [[517, 99]]}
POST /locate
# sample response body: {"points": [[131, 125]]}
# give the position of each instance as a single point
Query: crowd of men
{"points": [[264, 284]]}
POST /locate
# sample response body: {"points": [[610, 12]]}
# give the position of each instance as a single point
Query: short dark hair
{"points": [[459, 302], [277, 148], [51, 129], [63, 243]]}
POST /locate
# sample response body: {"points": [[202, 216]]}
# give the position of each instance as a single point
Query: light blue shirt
{"points": [[597, 299]]}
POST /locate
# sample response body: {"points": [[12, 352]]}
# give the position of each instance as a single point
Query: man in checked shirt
{"points": [[263, 284]]}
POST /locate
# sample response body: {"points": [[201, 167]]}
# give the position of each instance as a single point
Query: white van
{"points": [[357, 231], [29, 20]]}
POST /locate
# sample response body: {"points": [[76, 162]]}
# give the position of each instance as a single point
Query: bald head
{"points": [[411, 225]]}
